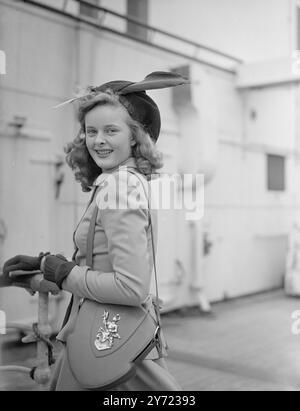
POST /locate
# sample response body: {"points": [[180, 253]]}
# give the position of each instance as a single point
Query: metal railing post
{"points": [[42, 373]]}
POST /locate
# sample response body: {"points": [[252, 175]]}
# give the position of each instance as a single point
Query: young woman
{"points": [[119, 125]]}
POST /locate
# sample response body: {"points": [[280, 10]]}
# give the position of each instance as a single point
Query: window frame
{"points": [[276, 183]]}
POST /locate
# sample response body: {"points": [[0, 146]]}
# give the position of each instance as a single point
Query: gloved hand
{"points": [[22, 281], [31, 282], [5, 281], [19, 262], [57, 268], [38, 283]]}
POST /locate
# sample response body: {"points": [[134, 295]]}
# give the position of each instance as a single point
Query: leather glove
{"points": [[38, 283], [57, 268], [19, 262], [35, 283], [5, 281]]}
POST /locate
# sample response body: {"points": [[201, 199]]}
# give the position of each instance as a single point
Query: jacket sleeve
{"points": [[126, 232]]}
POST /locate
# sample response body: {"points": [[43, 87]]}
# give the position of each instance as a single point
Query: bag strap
{"points": [[90, 247], [89, 203], [90, 238], [70, 305], [156, 305]]}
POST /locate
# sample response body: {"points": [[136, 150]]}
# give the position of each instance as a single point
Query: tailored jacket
{"points": [[122, 269]]}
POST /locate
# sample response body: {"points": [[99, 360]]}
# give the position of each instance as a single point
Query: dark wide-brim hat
{"points": [[141, 108]]}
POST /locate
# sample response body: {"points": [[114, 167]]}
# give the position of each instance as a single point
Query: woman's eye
{"points": [[111, 130], [91, 132]]}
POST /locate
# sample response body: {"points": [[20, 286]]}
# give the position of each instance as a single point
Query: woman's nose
{"points": [[99, 138]]}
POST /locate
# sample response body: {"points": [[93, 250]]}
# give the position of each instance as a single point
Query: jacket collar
{"points": [[129, 163]]}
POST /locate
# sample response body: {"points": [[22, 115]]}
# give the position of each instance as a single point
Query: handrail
{"points": [[140, 23], [39, 333], [98, 24]]}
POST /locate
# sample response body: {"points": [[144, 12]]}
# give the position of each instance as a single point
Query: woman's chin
{"points": [[109, 162], [106, 163]]}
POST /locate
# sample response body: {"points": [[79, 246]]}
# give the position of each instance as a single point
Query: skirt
{"points": [[151, 375]]}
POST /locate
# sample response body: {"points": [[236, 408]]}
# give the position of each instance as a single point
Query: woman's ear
{"points": [[82, 133], [132, 142]]}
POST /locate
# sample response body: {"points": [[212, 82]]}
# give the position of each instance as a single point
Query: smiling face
{"points": [[108, 136]]}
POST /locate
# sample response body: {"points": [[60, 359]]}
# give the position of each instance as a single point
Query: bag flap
{"points": [[107, 327]]}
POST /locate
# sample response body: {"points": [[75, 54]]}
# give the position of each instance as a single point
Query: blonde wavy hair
{"points": [[148, 158]]}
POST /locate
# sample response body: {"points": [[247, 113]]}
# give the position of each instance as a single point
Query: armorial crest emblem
{"points": [[106, 335]]}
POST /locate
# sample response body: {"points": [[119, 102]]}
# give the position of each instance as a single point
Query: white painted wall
{"points": [[252, 30]]}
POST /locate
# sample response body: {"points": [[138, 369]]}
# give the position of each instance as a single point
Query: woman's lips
{"points": [[103, 153]]}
